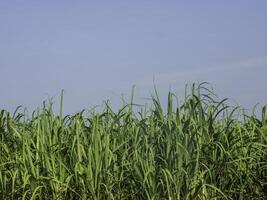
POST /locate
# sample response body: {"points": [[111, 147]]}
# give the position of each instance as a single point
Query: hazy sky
{"points": [[96, 50]]}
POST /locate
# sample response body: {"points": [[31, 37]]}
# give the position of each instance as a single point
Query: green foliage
{"points": [[201, 149]]}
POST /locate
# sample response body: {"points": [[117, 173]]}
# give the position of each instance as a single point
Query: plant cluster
{"points": [[199, 149]]}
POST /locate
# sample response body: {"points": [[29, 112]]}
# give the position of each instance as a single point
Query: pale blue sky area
{"points": [[97, 50]]}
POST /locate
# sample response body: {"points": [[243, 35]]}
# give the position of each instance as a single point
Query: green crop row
{"points": [[200, 148]]}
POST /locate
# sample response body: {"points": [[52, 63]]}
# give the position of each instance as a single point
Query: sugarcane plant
{"points": [[196, 148]]}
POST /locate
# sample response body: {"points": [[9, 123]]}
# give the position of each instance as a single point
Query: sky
{"points": [[97, 50]]}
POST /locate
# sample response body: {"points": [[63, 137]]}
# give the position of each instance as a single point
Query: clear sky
{"points": [[96, 50]]}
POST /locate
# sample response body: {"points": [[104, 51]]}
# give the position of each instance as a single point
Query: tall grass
{"points": [[199, 149]]}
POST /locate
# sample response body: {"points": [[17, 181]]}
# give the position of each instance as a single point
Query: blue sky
{"points": [[96, 50]]}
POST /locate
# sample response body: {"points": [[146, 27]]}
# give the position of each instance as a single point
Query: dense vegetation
{"points": [[200, 149]]}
